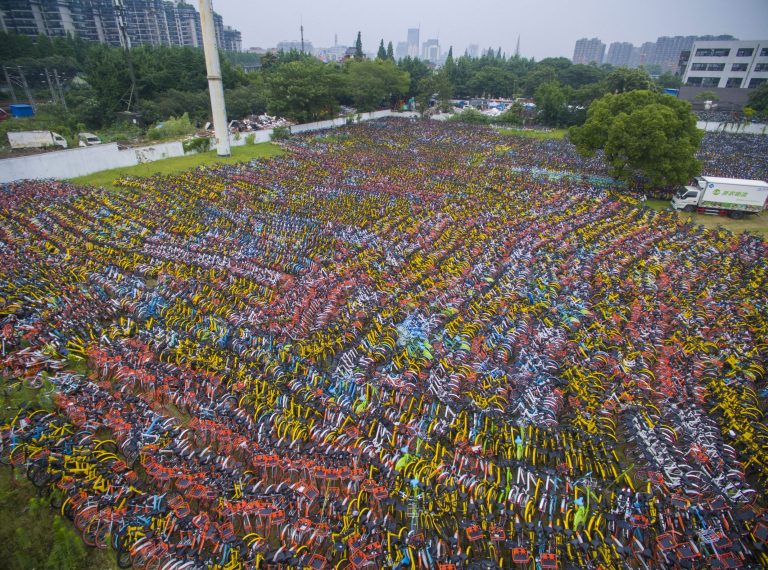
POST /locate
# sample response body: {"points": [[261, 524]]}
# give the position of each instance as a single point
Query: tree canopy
{"points": [[758, 99], [303, 91], [171, 80], [642, 133], [373, 83]]}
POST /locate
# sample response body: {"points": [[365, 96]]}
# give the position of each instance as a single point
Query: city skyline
{"points": [[547, 29]]}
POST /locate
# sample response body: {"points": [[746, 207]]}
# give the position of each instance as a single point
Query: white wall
{"points": [[83, 161], [748, 128]]}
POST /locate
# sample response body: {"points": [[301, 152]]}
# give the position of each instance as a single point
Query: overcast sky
{"points": [[546, 27]]}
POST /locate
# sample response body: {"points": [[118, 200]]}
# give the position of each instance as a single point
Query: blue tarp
{"points": [[22, 110]]}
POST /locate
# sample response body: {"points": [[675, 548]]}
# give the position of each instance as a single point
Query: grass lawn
{"points": [[541, 135], [752, 224], [106, 178]]}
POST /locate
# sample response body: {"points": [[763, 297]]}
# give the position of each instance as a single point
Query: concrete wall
{"points": [[83, 161], [748, 128], [730, 98]]}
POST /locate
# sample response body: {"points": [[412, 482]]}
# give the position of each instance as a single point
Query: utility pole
{"points": [[10, 84], [125, 40], [27, 92], [215, 84], [61, 91], [54, 95]]}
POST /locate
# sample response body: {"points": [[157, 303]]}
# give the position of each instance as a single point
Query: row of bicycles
{"points": [[396, 348]]}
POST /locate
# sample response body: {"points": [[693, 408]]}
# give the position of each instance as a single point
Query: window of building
{"points": [[764, 52], [707, 66], [761, 67], [710, 81], [757, 82], [745, 52], [739, 67], [694, 81], [713, 52], [733, 82]]}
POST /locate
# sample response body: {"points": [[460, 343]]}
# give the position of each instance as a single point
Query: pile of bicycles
{"points": [[406, 347]]}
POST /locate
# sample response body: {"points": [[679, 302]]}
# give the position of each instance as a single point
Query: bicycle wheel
{"points": [[39, 475], [95, 534], [123, 558]]}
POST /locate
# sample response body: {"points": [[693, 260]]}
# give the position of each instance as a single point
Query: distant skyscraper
{"points": [[473, 50], [430, 51], [619, 54], [588, 51], [413, 42], [401, 51]]}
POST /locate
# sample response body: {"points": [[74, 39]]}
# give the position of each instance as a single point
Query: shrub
{"points": [[280, 133], [197, 144], [470, 116], [172, 128]]}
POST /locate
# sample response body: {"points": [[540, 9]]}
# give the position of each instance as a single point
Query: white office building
{"points": [[734, 64]]}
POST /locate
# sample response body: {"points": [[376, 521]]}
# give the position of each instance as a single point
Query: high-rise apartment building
{"points": [[473, 50], [620, 54], [667, 51], [589, 51], [147, 22]]}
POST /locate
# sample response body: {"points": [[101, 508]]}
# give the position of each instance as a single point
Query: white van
{"points": [[88, 139]]}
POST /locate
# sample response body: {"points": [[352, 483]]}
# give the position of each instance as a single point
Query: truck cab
{"points": [[687, 198]]}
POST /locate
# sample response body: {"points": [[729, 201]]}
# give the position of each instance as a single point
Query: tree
{"points": [[434, 84], [250, 100], [622, 80], [539, 76], [372, 83], [303, 90], [492, 81], [580, 75], [359, 47], [382, 54], [417, 70], [758, 99], [642, 133], [450, 66], [669, 81], [390, 52], [551, 102]]}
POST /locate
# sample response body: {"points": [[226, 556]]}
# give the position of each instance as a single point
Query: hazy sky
{"points": [[546, 27]]}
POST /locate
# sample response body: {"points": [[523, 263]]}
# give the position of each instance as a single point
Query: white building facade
{"points": [[732, 64]]}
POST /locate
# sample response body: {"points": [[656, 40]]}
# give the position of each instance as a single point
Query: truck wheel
{"points": [[736, 215], [689, 208]]}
